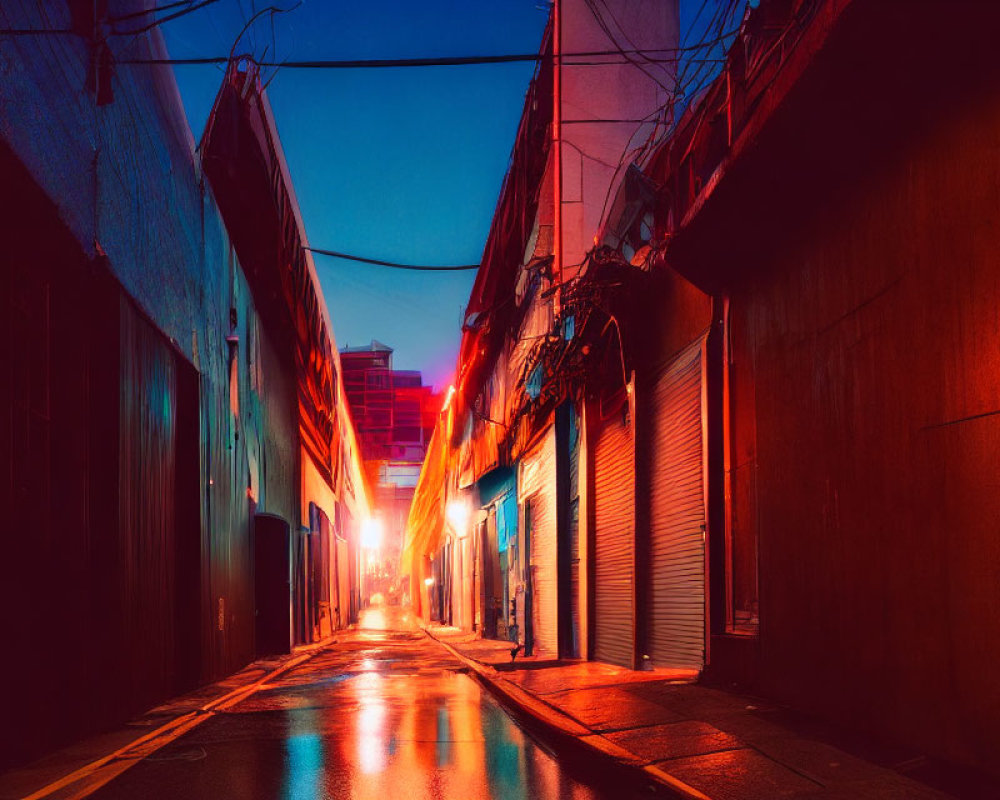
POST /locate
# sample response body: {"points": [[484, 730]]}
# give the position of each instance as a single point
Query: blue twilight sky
{"points": [[397, 164]]}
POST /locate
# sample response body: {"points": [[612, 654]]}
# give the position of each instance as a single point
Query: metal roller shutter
{"points": [[538, 487], [677, 588], [614, 538]]}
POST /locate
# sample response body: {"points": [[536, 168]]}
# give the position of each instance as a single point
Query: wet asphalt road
{"points": [[384, 713]]}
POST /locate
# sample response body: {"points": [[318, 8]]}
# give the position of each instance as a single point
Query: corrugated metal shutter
{"points": [[492, 593], [677, 589], [614, 542], [538, 486]]}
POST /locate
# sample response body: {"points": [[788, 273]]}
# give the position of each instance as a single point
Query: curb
{"points": [[567, 730], [105, 769]]}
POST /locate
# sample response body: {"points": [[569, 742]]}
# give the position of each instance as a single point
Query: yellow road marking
{"points": [[146, 745]]}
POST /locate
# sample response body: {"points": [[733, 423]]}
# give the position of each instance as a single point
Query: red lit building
{"points": [[394, 414]]}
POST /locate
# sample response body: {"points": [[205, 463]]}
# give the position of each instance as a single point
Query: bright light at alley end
{"points": [[458, 516], [371, 534]]}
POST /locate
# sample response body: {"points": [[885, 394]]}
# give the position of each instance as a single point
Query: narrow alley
{"points": [[384, 712], [499, 400]]}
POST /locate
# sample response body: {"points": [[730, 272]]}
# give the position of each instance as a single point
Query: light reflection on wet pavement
{"points": [[384, 713]]}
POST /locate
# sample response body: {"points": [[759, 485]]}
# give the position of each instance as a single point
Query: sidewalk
{"points": [[699, 742], [85, 765]]}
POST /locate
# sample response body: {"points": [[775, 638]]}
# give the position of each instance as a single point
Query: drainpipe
{"points": [[557, 235]]}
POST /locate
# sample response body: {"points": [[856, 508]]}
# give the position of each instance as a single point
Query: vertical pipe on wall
{"points": [[589, 428], [583, 531], [564, 612], [557, 240]]}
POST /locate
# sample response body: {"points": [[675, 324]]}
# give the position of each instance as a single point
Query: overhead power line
{"points": [[662, 55], [188, 9], [148, 11], [393, 264]]}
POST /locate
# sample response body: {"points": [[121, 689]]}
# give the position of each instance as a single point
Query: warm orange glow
{"points": [[447, 397], [458, 516], [371, 742], [371, 534]]}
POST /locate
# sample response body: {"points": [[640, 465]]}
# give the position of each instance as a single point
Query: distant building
{"points": [[394, 414]]}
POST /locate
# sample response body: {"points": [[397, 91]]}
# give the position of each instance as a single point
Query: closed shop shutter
{"points": [[614, 540], [677, 587], [491, 592], [538, 488]]}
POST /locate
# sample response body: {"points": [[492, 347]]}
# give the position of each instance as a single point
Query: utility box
{"points": [[272, 584]]}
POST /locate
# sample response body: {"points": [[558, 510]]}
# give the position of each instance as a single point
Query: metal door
{"points": [[614, 542], [538, 485], [677, 504]]}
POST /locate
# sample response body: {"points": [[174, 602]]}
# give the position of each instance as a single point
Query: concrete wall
{"points": [[120, 184], [877, 372], [599, 100], [857, 243]]}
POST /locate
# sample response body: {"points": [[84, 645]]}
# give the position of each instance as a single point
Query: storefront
{"points": [[614, 537], [677, 523], [537, 500]]}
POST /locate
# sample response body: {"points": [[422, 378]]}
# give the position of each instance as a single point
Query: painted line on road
{"points": [[114, 764]]}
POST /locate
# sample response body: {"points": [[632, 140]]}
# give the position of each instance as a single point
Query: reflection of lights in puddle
{"points": [[374, 619], [367, 680], [443, 743], [371, 720], [371, 735], [303, 757]]}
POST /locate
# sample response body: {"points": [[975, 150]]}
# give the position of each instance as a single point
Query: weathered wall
{"points": [[857, 242], [877, 372], [118, 210], [602, 102]]}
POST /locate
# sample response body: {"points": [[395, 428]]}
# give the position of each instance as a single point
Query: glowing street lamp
{"points": [[371, 534], [458, 515]]}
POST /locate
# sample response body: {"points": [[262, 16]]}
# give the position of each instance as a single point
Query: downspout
{"points": [[557, 237]]}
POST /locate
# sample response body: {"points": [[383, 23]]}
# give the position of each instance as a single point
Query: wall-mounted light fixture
{"points": [[458, 516]]}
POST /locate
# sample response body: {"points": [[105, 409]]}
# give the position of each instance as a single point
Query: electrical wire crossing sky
{"points": [[392, 167]]}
